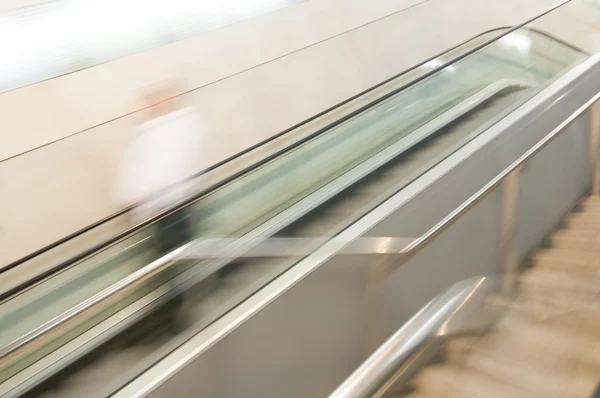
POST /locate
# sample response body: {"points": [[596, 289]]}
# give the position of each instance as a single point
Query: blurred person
{"points": [[165, 150]]}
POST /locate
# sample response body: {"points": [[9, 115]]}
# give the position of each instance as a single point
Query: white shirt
{"points": [[164, 151]]}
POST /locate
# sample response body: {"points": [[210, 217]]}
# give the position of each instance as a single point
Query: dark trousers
{"points": [[172, 232]]}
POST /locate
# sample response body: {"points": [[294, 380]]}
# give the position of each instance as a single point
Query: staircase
{"points": [[547, 344]]}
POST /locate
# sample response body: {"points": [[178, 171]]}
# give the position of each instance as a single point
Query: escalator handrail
{"points": [[194, 198], [380, 370], [369, 379], [155, 267]]}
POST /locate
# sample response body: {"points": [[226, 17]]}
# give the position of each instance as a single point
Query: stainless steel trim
{"points": [[456, 310]]}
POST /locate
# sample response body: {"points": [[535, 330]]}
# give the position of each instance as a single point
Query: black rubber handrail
{"points": [[194, 198]]}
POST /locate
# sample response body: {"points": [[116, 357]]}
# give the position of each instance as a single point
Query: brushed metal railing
{"points": [[377, 374]]}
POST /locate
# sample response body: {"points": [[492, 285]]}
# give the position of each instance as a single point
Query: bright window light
{"points": [[58, 37], [517, 41]]}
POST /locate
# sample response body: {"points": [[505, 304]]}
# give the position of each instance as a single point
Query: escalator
{"points": [[239, 280], [317, 187]]}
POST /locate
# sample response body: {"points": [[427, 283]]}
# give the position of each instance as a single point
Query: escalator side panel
{"points": [[321, 305]]}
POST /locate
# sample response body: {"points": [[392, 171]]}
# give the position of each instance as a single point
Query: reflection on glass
{"points": [[517, 41]]}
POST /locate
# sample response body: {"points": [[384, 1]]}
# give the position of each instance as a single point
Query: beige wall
{"points": [[257, 78], [578, 23], [72, 103]]}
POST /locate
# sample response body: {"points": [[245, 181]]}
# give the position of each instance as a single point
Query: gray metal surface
{"points": [[317, 330]]}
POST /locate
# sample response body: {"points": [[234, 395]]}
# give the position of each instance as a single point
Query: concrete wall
{"points": [[251, 80]]}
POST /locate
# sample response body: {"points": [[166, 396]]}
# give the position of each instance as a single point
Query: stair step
{"points": [[579, 262], [537, 369], [542, 309], [563, 337], [558, 284], [573, 321], [581, 215], [529, 375], [584, 240], [522, 345], [452, 380], [582, 221], [590, 198], [590, 203]]}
